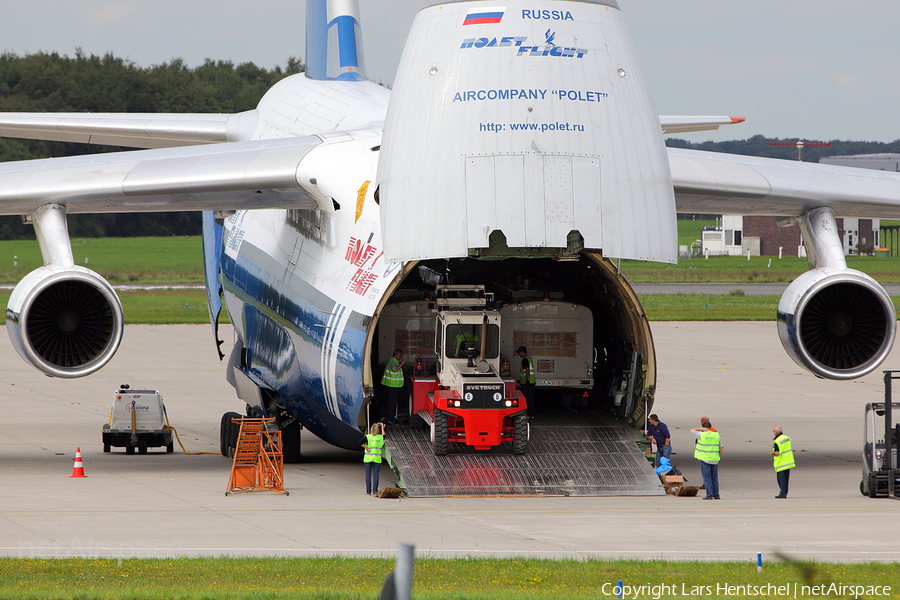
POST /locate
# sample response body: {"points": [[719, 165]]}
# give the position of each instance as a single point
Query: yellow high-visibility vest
{"points": [[530, 375], [374, 444], [392, 378], [785, 458], [707, 447]]}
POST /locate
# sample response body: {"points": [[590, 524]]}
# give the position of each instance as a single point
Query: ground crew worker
{"points": [[784, 461], [461, 339], [708, 450], [526, 379], [393, 381], [660, 434], [373, 443]]}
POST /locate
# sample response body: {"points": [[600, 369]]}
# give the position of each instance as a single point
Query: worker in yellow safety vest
{"points": [[461, 339], [392, 379], [373, 444], [526, 379], [784, 461], [708, 450]]}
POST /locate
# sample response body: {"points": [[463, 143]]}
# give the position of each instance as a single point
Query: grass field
{"points": [[689, 230], [157, 307], [759, 269], [179, 260], [118, 260], [434, 579]]}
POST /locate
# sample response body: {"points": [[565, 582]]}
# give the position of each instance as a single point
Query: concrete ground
{"points": [[173, 504]]}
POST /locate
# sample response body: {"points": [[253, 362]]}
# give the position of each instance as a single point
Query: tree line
{"points": [[759, 145], [49, 82]]}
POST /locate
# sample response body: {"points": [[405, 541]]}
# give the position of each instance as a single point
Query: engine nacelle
{"points": [[837, 323], [66, 321]]}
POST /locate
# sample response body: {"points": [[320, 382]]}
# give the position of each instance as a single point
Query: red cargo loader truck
{"points": [[467, 401]]}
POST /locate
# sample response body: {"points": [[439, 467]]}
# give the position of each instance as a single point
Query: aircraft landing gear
{"points": [[228, 434], [290, 443], [229, 431]]}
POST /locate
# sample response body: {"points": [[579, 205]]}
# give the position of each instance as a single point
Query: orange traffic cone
{"points": [[78, 471]]}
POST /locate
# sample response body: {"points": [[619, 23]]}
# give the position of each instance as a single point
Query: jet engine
{"points": [[66, 321], [837, 323]]}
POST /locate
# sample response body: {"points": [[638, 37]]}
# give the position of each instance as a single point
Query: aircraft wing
{"points": [[240, 175], [713, 182], [682, 124], [135, 130]]}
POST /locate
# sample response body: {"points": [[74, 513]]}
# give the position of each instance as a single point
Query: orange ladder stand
{"points": [[258, 459]]}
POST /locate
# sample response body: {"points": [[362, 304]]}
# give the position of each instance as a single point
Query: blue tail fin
{"points": [[334, 40]]}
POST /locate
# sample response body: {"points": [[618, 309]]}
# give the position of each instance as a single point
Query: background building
{"points": [[762, 235]]}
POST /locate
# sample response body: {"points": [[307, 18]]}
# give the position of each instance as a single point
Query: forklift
{"points": [[880, 476]]}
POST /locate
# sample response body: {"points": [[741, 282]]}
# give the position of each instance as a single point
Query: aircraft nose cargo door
{"points": [[527, 127], [534, 199]]}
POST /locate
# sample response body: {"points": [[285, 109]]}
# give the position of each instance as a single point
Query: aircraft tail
{"points": [[334, 40]]}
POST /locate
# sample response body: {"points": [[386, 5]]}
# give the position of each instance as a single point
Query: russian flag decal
{"points": [[490, 14]]}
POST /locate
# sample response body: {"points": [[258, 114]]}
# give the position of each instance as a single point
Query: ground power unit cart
{"points": [[137, 420]]}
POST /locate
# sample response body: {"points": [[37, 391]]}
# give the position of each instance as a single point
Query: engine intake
{"points": [[66, 321], [837, 323]]}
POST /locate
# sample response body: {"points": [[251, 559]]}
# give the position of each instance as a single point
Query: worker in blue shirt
{"points": [[660, 434]]}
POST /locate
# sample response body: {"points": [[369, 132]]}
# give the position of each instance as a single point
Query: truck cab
{"points": [[467, 401]]}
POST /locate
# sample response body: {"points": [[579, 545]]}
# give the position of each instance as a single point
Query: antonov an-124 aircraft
{"points": [[519, 154]]}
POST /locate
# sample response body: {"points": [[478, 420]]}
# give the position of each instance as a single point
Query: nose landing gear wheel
{"points": [[228, 432]]}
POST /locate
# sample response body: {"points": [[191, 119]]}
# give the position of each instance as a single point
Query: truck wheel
{"points": [[441, 433], [142, 446], [520, 433], [415, 421], [170, 448], [106, 447], [129, 448]]}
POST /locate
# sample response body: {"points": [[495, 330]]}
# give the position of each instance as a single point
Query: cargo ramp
{"points": [[588, 454]]}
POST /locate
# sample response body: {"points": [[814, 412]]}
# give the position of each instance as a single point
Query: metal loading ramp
{"points": [[568, 455]]}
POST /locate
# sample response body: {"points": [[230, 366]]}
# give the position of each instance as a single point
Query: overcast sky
{"points": [[817, 69]]}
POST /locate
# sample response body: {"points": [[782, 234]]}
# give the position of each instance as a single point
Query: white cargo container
{"points": [[410, 327], [559, 337]]}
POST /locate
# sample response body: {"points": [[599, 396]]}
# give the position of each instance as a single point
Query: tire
{"points": [[106, 447], [441, 433], [873, 487], [223, 431], [142, 446], [415, 421], [170, 447], [290, 443], [228, 432], [520, 433], [129, 448]]}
